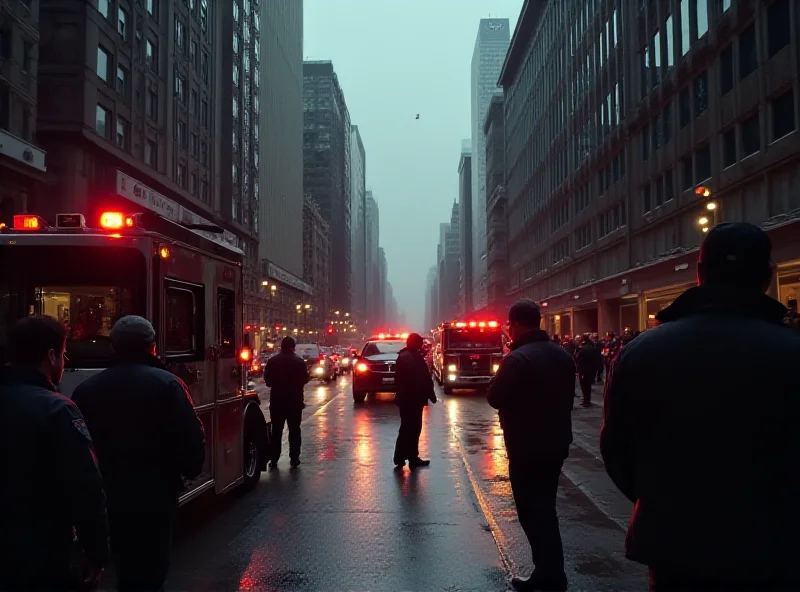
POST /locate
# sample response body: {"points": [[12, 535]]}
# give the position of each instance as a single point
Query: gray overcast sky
{"points": [[395, 59]]}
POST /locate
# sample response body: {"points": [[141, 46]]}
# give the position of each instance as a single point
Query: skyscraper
{"points": [[280, 179], [465, 223], [491, 45], [358, 167], [372, 280], [326, 167]]}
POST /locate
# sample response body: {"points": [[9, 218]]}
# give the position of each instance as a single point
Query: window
{"points": [[726, 70], [751, 137], [183, 319], [687, 173], [700, 94], [645, 142], [103, 63], [204, 66], [748, 56], [702, 17], [152, 105], [204, 113], [151, 153], [151, 56], [152, 8], [729, 148], [668, 33], [226, 323], [122, 23], [193, 183], [180, 88], [667, 122], [726, 4], [646, 205], [103, 121], [193, 53], [778, 26], [102, 7], [195, 145], [702, 164], [180, 34], [659, 192], [194, 104], [204, 153], [583, 237], [180, 132], [122, 133], [686, 40], [669, 192], [685, 108], [204, 191], [783, 115], [181, 175], [122, 80]]}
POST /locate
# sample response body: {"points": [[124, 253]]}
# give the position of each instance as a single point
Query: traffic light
{"points": [[330, 330]]}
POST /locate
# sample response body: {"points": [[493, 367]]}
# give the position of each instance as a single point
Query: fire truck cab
{"points": [[467, 354], [177, 276]]}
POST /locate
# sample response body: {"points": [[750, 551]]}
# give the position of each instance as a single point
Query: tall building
{"points": [[449, 267], [280, 140], [316, 260], [358, 237], [663, 119], [491, 45], [465, 227], [127, 110], [496, 215], [436, 318], [431, 315], [383, 280], [372, 236], [326, 167], [22, 162]]}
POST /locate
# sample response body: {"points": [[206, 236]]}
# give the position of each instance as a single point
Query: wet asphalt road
{"points": [[345, 520]]}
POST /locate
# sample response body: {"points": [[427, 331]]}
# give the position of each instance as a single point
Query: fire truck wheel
{"points": [[359, 397], [253, 449]]}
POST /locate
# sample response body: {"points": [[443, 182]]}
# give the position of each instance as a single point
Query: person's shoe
{"points": [[418, 462], [273, 464], [295, 462], [586, 404]]}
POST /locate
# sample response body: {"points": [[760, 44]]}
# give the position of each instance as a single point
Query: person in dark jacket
{"points": [[51, 482], [590, 361], [414, 390], [147, 437], [533, 392], [286, 374], [709, 456]]}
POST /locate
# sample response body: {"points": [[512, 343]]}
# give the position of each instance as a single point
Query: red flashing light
{"points": [[28, 222], [330, 330], [245, 355], [116, 221]]}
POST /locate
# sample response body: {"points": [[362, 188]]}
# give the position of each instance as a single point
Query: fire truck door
{"points": [[229, 398]]}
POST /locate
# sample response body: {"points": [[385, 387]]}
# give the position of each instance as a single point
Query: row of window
{"points": [[185, 321]]}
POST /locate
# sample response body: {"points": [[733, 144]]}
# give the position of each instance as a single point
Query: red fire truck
{"points": [[177, 276], [467, 354]]}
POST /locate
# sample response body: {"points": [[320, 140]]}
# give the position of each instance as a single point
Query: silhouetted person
{"points": [[414, 390], [147, 437], [533, 392], [286, 374], [590, 361], [50, 480], [700, 429]]}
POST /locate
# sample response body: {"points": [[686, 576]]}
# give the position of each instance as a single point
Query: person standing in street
{"points": [[708, 454], [51, 482], [533, 392], [590, 362], [286, 374], [147, 437], [414, 390]]}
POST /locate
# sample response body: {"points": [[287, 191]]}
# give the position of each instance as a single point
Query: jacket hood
{"points": [[12, 375], [533, 336], [708, 299], [143, 359]]}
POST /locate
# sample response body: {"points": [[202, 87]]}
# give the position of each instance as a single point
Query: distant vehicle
{"points": [[334, 358], [467, 354], [374, 371], [318, 364]]}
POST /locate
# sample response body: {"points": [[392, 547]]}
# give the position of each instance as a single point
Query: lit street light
{"points": [[711, 206]]}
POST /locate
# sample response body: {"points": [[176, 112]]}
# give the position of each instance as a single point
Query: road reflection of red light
{"points": [[363, 437], [260, 561]]}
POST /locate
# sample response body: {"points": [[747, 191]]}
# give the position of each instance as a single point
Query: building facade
{"points": [[358, 237], [316, 260], [496, 215], [449, 267], [22, 163], [326, 167], [660, 120], [491, 45], [465, 227], [383, 281], [372, 240], [430, 311], [280, 139]]}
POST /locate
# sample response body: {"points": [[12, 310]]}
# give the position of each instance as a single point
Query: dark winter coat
{"points": [[533, 392], [413, 382], [286, 374], [50, 484], [589, 359], [700, 432], [146, 433]]}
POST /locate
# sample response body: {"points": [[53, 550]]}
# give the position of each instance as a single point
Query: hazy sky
{"points": [[395, 59]]}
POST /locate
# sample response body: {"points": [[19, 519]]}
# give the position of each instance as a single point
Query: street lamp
{"points": [[265, 283], [273, 288]]}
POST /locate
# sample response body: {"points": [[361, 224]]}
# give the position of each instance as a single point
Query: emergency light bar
{"points": [[70, 221], [116, 221], [28, 222], [473, 324], [390, 336]]}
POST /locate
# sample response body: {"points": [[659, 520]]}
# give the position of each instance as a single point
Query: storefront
{"points": [[657, 300], [788, 280], [628, 314]]}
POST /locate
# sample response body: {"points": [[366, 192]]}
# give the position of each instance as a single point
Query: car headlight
{"points": [[320, 370], [451, 377], [452, 368], [495, 368], [345, 361]]}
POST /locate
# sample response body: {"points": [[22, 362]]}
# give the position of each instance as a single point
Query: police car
{"points": [[374, 370]]}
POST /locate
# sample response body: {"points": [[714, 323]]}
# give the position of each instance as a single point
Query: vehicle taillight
{"points": [[245, 355], [322, 358], [362, 367], [27, 222], [115, 221]]}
